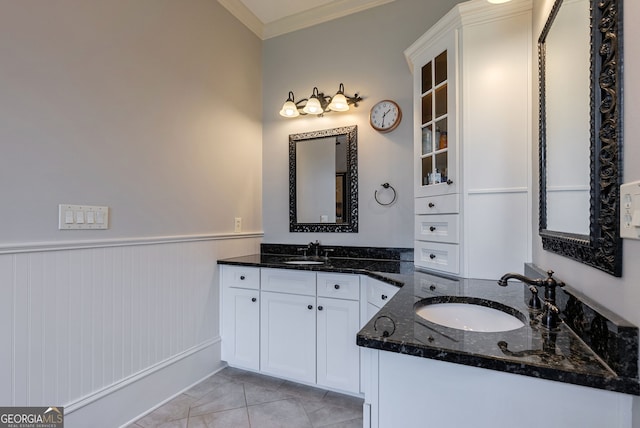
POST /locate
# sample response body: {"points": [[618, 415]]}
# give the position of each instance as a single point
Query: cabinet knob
{"points": [[320, 308], [383, 297], [432, 228], [432, 256], [449, 182], [253, 299], [309, 307], [432, 287], [241, 277], [337, 286], [431, 205]]}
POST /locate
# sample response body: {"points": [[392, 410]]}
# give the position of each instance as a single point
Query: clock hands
{"points": [[383, 116]]}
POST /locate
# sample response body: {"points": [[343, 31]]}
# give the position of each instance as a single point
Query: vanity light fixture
{"points": [[318, 103]]}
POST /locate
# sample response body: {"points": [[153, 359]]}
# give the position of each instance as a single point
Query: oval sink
{"points": [[469, 317], [304, 262]]}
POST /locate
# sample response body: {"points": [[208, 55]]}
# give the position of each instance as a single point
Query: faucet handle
{"points": [[551, 281], [534, 302]]}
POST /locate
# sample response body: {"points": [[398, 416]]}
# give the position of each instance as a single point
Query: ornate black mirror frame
{"points": [[602, 248], [351, 223]]}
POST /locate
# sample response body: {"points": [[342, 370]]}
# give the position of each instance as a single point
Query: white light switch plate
{"points": [[73, 217], [630, 210]]}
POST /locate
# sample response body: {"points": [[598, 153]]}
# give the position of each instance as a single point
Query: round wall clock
{"points": [[385, 116]]}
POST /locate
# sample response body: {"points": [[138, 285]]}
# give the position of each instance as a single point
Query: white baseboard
{"points": [[127, 401]]}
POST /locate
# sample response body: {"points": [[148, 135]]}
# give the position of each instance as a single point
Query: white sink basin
{"points": [[469, 317], [304, 262]]}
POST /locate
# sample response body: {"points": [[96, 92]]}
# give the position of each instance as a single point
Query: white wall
{"points": [[140, 106], [621, 295], [365, 52]]}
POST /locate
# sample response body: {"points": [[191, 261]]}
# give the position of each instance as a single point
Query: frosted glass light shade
{"points": [[289, 109], [498, 1], [339, 103], [313, 106]]}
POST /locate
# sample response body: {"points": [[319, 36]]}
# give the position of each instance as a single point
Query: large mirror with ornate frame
{"points": [[580, 83], [323, 180]]}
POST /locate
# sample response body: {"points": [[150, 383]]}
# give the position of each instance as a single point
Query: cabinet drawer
{"points": [[445, 204], [379, 293], [240, 277], [438, 228], [339, 286], [435, 255], [288, 281]]}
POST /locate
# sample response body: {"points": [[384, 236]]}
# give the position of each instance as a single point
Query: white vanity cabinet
{"points": [[338, 323], [297, 324], [376, 294], [288, 324], [241, 316], [472, 140], [308, 327]]}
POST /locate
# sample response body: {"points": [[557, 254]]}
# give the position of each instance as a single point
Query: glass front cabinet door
{"points": [[435, 139]]}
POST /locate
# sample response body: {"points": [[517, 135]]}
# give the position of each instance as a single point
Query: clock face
{"points": [[385, 116]]}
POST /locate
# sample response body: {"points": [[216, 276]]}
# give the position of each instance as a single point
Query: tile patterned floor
{"points": [[234, 398]]}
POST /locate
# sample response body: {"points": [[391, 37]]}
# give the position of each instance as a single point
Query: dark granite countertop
{"points": [[532, 350]]}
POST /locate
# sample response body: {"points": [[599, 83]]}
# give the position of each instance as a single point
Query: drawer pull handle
{"points": [[383, 297], [337, 286], [309, 307], [253, 299], [432, 228], [320, 308], [241, 277], [449, 182], [432, 256], [431, 205]]}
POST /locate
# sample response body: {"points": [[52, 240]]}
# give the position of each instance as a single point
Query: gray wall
{"points": [[138, 105], [365, 52]]}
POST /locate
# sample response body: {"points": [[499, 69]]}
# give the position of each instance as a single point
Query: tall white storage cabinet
{"points": [[472, 140]]}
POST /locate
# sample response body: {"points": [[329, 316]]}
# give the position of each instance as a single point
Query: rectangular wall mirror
{"points": [[323, 180], [580, 72]]}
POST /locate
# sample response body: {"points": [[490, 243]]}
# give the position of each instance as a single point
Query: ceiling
{"points": [[271, 18]]}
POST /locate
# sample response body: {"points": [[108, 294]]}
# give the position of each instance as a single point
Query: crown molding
{"points": [[327, 12], [244, 15]]}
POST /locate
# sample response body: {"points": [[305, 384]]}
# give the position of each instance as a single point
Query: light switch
{"points": [[72, 217], [630, 210]]}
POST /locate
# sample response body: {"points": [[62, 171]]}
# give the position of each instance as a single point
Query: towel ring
{"points": [[386, 186]]}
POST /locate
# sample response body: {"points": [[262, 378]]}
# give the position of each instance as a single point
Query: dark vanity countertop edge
{"points": [[611, 383]]}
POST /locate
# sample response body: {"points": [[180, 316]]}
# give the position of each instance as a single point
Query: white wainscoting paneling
{"points": [[78, 324]]}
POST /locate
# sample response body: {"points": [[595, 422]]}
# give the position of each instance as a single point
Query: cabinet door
{"points": [[338, 354], [435, 136], [241, 328], [288, 333]]}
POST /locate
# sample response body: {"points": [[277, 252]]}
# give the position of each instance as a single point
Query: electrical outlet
{"points": [[238, 225], [630, 210]]}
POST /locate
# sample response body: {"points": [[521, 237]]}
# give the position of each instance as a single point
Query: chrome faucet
{"points": [[550, 316]]}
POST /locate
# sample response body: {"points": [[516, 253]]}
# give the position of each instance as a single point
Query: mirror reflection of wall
{"points": [[568, 119], [315, 176]]}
